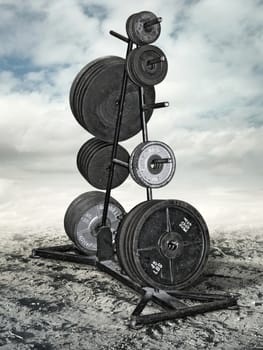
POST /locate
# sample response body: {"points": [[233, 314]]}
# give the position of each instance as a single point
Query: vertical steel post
{"points": [[116, 139], [144, 131]]}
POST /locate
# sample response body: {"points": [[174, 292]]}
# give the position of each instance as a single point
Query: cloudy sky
{"points": [[214, 123]]}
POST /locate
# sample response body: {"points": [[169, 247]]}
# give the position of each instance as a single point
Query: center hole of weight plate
{"points": [[172, 245], [149, 65], [154, 165]]}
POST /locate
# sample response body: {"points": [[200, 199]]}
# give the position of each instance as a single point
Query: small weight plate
{"points": [[140, 69], [144, 169], [169, 245], [136, 30]]}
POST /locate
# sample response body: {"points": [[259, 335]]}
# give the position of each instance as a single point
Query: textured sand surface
{"points": [[45, 304]]}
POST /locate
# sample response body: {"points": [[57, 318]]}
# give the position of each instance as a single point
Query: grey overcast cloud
{"points": [[214, 123]]}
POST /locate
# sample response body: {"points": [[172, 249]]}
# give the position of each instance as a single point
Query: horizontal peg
{"points": [[152, 22], [121, 163], [156, 163], [156, 105], [162, 161], [119, 36], [156, 60]]}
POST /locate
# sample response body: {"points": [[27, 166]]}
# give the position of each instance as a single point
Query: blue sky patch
{"points": [[97, 11]]}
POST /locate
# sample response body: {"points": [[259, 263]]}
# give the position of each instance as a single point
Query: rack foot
{"points": [[171, 301]]}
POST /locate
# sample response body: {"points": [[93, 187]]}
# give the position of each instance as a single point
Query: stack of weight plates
{"points": [[94, 98], [93, 161], [163, 244]]}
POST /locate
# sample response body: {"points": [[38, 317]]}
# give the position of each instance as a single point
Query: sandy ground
{"points": [[48, 305]]}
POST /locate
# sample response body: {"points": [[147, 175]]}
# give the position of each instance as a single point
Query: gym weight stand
{"points": [[170, 301]]}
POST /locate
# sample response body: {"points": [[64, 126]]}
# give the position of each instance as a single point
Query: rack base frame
{"points": [[170, 301]]}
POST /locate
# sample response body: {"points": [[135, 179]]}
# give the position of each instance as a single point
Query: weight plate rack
{"points": [[160, 247]]}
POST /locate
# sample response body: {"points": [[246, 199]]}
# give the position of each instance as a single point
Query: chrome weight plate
{"points": [[71, 211], [140, 30], [86, 214], [152, 164], [168, 245], [147, 65]]}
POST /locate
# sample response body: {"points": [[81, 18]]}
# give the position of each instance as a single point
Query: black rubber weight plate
{"points": [[93, 162], [138, 66], [88, 79], [122, 239], [79, 81], [99, 164], [136, 30], [85, 150], [100, 103], [169, 245], [121, 243]]}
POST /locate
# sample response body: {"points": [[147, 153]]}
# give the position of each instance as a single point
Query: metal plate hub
{"points": [[83, 219]]}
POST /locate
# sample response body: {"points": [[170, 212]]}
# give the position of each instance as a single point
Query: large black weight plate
{"points": [[120, 240], [88, 78], [99, 103], [142, 167], [125, 230], [80, 83], [169, 245], [86, 215], [122, 247], [94, 159], [136, 30], [75, 86], [140, 69]]}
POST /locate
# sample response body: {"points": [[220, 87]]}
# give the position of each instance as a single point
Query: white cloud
{"points": [[214, 85]]}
